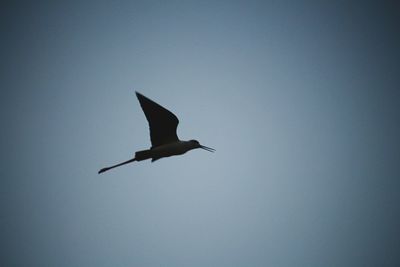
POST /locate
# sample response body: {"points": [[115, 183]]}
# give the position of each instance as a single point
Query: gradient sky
{"points": [[300, 99]]}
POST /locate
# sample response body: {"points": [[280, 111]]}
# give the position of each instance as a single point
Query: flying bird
{"points": [[164, 140]]}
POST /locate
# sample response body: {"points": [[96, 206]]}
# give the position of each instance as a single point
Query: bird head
{"points": [[196, 144]]}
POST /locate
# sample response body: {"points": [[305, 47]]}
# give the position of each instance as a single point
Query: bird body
{"points": [[165, 142], [163, 151]]}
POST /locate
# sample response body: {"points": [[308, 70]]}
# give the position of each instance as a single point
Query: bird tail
{"points": [[143, 155]]}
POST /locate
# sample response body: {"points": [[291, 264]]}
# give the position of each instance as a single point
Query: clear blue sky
{"points": [[300, 99]]}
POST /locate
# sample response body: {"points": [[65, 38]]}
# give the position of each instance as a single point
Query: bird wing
{"points": [[162, 122]]}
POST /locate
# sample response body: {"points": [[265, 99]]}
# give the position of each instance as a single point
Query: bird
{"points": [[164, 139]]}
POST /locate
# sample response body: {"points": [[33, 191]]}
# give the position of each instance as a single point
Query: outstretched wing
{"points": [[162, 122]]}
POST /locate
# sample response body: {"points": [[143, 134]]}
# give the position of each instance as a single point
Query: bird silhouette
{"points": [[164, 140]]}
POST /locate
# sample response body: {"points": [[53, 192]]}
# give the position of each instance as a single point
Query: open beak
{"points": [[209, 149]]}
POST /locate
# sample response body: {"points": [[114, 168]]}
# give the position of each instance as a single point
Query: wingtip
{"points": [[139, 95]]}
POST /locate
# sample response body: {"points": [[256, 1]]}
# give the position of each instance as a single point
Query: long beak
{"points": [[207, 148]]}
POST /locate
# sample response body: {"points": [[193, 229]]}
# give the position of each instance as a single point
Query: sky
{"points": [[299, 98]]}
